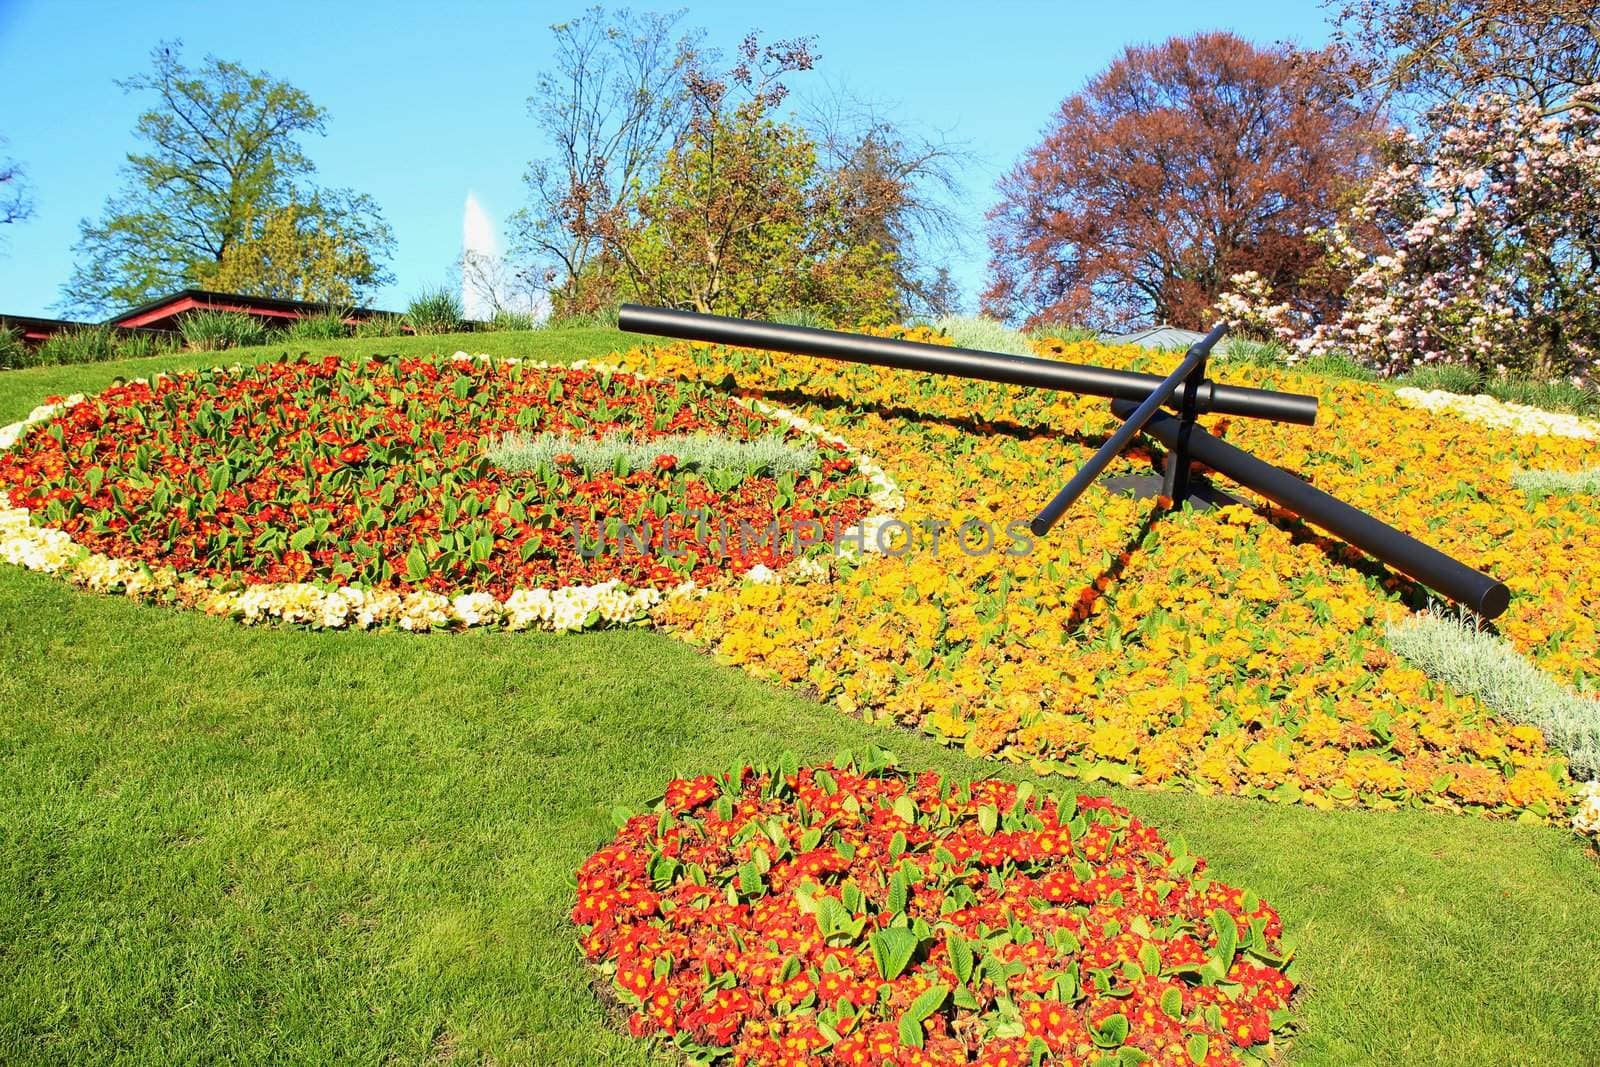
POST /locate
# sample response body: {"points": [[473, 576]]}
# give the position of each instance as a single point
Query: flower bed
{"points": [[1500, 414], [331, 492], [1236, 651], [855, 914]]}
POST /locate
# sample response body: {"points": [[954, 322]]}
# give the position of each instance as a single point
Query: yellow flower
{"points": [[1113, 741], [1263, 758]]}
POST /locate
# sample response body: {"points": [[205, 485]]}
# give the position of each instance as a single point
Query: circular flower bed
{"points": [[364, 484], [852, 913]]}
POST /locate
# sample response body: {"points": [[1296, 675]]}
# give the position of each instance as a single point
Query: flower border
{"points": [[330, 606], [1500, 414]]}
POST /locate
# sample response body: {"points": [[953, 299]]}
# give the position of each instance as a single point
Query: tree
{"points": [[16, 200], [897, 184], [613, 103], [1182, 164], [1487, 248], [1422, 54], [493, 283], [327, 250], [223, 155], [741, 219]]}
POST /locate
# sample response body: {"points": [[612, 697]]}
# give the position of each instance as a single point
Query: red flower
{"points": [[285, 450], [752, 909]]}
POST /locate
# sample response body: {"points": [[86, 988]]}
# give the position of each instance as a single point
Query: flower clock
{"points": [[852, 913], [338, 493]]}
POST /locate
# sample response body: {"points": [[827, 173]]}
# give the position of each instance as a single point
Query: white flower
{"points": [[1518, 418], [1587, 818], [476, 609]]}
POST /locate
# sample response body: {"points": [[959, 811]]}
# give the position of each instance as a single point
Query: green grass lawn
{"points": [[273, 845]]}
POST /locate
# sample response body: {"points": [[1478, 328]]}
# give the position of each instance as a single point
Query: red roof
{"points": [[163, 312]]}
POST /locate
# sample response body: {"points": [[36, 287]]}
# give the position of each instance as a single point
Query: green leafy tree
{"points": [[221, 155], [324, 251]]}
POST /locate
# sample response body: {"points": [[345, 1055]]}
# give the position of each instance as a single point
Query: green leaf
{"points": [[1112, 1032], [1227, 938], [303, 537], [1172, 1002], [896, 900], [750, 883], [416, 564], [832, 918], [906, 809], [892, 949], [988, 818], [960, 951], [1199, 1047], [910, 1032], [929, 1002]]}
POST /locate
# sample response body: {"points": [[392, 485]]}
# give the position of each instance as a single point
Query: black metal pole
{"points": [[1114, 445], [1478, 591], [962, 363]]}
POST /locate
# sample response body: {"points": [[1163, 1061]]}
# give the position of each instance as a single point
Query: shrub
{"points": [[512, 320], [1469, 660], [435, 311], [81, 344], [1336, 364], [1549, 395], [600, 318], [326, 325], [1556, 395], [1252, 352], [1451, 377], [770, 455], [141, 345], [13, 352], [809, 317], [384, 324], [209, 331], [983, 334], [1061, 331]]}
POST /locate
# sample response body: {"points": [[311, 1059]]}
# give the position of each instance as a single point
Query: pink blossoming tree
{"points": [[1477, 245]]}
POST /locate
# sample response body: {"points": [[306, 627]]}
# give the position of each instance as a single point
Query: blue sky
{"points": [[427, 101]]}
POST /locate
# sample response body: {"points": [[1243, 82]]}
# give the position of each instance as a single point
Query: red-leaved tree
{"points": [[1182, 164]]}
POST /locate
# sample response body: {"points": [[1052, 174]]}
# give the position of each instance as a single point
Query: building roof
{"points": [[1162, 336], [34, 328], [173, 304]]}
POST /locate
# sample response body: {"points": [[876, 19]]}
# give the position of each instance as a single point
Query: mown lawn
{"points": [[266, 844]]}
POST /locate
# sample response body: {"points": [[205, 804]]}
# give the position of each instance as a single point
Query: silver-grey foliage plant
{"points": [[1453, 650], [1545, 483], [770, 455]]}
